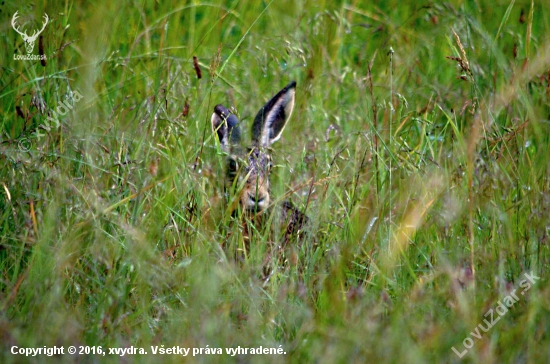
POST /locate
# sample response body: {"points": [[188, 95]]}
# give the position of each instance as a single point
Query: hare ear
{"points": [[271, 119], [226, 125]]}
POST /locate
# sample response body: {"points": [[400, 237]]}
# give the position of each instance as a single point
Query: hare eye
{"points": [[232, 165]]}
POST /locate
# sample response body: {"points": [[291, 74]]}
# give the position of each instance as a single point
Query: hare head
{"points": [[248, 169]]}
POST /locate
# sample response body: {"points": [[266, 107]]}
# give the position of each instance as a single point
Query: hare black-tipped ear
{"points": [[225, 124], [271, 119]]}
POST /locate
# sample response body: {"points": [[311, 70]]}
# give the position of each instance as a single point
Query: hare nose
{"points": [[256, 198]]}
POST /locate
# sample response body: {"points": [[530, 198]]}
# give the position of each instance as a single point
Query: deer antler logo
{"points": [[29, 40]]}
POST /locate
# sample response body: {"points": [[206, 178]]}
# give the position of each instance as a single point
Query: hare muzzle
{"points": [[255, 196]]}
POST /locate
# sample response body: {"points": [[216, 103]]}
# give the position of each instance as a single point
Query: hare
{"points": [[248, 169]]}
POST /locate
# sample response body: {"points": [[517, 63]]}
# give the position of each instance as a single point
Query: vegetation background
{"points": [[418, 148]]}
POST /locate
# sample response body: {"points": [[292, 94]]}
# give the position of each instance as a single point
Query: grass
{"points": [[424, 173]]}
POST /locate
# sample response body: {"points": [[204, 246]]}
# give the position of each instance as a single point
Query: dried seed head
{"points": [[197, 67]]}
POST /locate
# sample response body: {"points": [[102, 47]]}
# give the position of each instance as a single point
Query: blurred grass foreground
{"points": [[418, 148]]}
